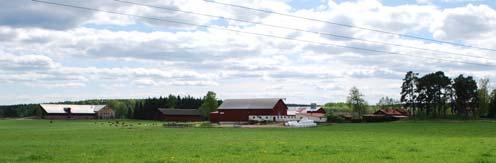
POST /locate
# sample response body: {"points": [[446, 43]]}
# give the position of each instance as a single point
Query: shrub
{"points": [[334, 119]]}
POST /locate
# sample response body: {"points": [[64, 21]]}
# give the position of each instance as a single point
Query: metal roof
{"points": [[257, 103], [179, 111], [75, 109], [392, 112]]}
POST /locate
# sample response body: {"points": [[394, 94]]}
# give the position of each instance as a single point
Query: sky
{"points": [[52, 53]]}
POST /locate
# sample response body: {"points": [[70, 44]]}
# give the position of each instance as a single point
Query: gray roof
{"points": [[75, 109], [256, 103], [169, 111]]}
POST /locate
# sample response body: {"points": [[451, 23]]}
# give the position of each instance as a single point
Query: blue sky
{"points": [[50, 53]]}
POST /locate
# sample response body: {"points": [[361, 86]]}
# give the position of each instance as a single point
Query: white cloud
{"points": [[58, 85], [466, 23], [26, 62], [152, 58], [26, 13]]}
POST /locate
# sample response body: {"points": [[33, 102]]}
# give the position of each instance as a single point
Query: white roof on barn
{"points": [[75, 109], [256, 103]]}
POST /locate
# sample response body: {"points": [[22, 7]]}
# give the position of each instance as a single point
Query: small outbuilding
{"points": [[180, 115], [64, 111]]}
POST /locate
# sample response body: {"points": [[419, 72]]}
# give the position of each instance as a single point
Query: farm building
{"points": [[400, 113], [317, 117], [317, 110], [312, 108], [387, 115], [241, 110], [181, 115], [62, 111], [312, 112]]}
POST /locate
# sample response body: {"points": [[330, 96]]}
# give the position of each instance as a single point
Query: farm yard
{"points": [[149, 141]]}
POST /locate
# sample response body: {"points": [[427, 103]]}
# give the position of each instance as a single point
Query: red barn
{"points": [[239, 110], [181, 115]]}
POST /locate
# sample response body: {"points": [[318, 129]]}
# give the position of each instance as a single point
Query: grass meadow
{"points": [[100, 141]]}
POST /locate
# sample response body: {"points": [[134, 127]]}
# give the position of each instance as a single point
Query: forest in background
{"points": [[124, 108]]}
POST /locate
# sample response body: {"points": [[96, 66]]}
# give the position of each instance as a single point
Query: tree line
{"points": [[126, 108], [436, 95], [21, 110], [148, 108]]}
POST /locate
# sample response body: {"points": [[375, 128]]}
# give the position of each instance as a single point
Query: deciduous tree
{"points": [[356, 102], [209, 104], [386, 102], [484, 98]]}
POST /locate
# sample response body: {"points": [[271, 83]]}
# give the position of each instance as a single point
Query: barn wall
{"points": [[106, 113], [214, 117], [241, 114], [280, 108], [66, 116], [310, 117], [236, 115], [182, 118]]}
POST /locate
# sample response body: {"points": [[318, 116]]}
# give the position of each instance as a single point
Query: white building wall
{"points": [[277, 118], [285, 118], [315, 119]]}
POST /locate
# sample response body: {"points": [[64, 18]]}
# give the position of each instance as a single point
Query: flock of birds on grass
{"points": [[122, 124], [127, 124]]}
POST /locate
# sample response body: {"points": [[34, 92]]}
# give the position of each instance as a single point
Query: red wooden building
{"points": [[180, 115], [392, 112], [239, 110], [386, 115]]}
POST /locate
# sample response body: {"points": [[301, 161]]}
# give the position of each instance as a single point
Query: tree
{"points": [[119, 108], [209, 104], [386, 102], [356, 102], [483, 95], [408, 93], [433, 92], [171, 101], [466, 96], [492, 105]]}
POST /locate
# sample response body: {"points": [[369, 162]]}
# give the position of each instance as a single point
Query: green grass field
{"points": [[96, 141]]}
